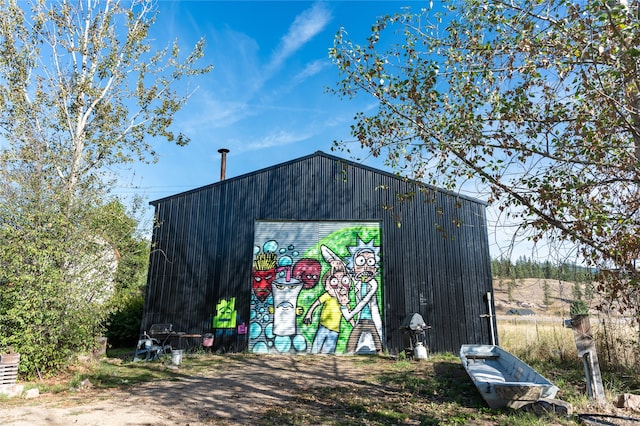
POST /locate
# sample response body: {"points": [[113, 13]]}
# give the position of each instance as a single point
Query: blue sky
{"points": [[266, 98]]}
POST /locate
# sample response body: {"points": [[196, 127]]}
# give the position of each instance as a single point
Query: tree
{"points": [[82, 91], [123, 323], [576, 290], [536, 101]]}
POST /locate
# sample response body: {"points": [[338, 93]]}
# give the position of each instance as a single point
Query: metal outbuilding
{"points": [[320, 254]]}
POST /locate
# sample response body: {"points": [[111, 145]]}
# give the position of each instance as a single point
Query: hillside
{"points": [[529, 293]]}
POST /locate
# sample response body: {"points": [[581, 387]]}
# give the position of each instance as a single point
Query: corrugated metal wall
{"points": [[436, 263]]}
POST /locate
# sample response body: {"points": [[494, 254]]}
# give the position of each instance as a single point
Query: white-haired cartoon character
{"points": [[337, 283], [366, 335]]}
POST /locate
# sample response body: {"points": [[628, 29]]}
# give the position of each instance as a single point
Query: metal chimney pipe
{"points": [[223, 163]]}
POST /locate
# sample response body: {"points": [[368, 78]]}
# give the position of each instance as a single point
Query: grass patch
{"points": [[550, 348], [434, 392], [387, 391]]}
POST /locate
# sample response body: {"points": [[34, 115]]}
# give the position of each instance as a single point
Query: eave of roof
{"points": [[318, 154]]}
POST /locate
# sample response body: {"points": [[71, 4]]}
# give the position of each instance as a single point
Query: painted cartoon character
{"points": [[366, 335], [285, 296], [308, 271], [264, 272], [337, 284], [226, 314]]}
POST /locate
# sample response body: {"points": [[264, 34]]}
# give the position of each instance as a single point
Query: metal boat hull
{"points": [[502, 379]]}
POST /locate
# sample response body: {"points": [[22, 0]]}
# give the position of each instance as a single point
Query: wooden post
{"points": [[587, 351]]}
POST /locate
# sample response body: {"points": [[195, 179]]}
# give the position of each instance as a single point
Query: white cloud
{"points": [[237, 77], [311, 69], [304, 27], [276, 138], [207, 111]]}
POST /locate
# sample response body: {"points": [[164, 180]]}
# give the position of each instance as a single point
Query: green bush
{"points": [[61, 280], [123, 326], [578, 307], [50, 306]]}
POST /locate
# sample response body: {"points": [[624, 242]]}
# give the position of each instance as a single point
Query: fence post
{"points": [[587, 351]]}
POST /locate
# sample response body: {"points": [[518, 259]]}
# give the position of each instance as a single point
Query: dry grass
{"points": [[537, 338], [617, 341], [544, 335], [545, 338], [550, 348]]}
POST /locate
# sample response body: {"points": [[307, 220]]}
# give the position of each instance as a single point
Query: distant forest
{"points": [[527, 268], [512, 274]]}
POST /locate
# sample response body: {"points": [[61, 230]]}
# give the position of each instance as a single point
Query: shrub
{"points": [[123, 325], [578, 307]]}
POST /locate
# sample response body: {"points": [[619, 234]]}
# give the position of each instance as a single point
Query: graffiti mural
{"points": [[316, 288], [225, 314], [226, 324], [364, 263]]}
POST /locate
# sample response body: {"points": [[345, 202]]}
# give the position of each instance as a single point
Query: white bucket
{"points": [[176, 357], [420, 352]]}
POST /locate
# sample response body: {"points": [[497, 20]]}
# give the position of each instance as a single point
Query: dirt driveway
{"points": [[242, 389], [238, 392]]}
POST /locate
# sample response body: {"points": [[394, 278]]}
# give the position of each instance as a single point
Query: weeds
{"points": [[550, 348], [388, 391]]}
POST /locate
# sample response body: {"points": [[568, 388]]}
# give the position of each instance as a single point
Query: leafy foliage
{"points": [[55, 282], [123, 325], [81, 92], [81, 88], [578, 307], [537, 102]]}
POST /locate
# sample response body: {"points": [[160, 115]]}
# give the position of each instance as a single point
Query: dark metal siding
{"points": [[203, 247]]}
